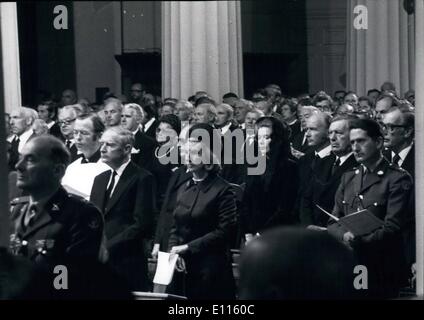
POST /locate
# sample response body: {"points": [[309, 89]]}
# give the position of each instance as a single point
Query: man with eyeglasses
{"points": [[137, 92], [398, 130], [384, 190], [80, 174], [66, 120]]}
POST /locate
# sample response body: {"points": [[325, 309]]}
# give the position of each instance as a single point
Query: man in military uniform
{"points": [[49, 226], [384, 190]]}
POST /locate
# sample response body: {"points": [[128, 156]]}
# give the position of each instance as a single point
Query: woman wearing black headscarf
{"points": [[269, 198]]}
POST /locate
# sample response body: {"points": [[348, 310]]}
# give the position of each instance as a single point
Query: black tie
{"points": [[336, 164], [68, 144], [396, 159], [84, 159], [110, 188]]}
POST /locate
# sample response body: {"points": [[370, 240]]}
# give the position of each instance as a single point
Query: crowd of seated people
{"points": [[135, 158]]}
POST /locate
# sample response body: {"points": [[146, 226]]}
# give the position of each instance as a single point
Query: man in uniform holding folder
{"points": [[383, 190]]}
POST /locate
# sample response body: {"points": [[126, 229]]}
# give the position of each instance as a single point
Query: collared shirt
{"points": [[23, 138], [148, 124], [72, 142], [11, 138], [324, 152], [344, 158], [119, 172], [403, 154], [50, 124], [293, 122], [225, 128]]}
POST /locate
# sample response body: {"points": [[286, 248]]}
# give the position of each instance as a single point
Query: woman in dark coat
{"points": [[204, 221], [269, 199]]}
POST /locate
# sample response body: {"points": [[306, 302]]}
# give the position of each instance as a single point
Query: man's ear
{"points": [[409, 132], [29, 121], [59, 169], [127, 149], [380, 143]]}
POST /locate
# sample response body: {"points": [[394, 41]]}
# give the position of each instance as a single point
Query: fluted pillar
{"points": [[383, 51], [11, 98], [10, 55], [201, 48], [419, 137]]}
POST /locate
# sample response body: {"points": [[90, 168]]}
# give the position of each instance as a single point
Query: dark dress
{"points": [[204, 219], [269, 199]]}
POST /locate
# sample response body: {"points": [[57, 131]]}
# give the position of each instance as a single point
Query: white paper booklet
{"points": [[165, 268]]}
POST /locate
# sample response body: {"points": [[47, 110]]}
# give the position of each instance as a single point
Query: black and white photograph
{"points": [[212, 151]]}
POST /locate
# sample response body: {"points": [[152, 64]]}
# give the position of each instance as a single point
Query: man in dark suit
{"points": [[149, 121], [398, 130], [325, 180], [299, 142], [126, 197], [317, 136], [46, 111], [384, 190], [49, 226], [66, 121], [21, 121], [224, 122], [144, 146]]}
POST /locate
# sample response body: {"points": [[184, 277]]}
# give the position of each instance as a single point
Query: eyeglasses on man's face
{"points": [[388, 127], [66, 122]]}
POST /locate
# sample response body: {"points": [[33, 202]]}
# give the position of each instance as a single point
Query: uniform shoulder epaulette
{"points": [[19, 200]]}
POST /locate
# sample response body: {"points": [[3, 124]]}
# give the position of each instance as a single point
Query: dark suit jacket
{"points": [[294, 130], [231, 171], [409, 230], [128, 220], [386, 194], [14, 153], [151, 132], [267, 205], [204, 219], [297, 142], [147, 146], [321, 190], [68, 228], [408, 164], [55, 131]]}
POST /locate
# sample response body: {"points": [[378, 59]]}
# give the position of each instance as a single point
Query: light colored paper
{"points": [[165, 268], [79, 177]]}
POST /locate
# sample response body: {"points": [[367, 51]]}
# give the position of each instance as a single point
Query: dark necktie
{"points": [[396, 159], [84, 159], [109, 189], [68, 144], [336, 164]]}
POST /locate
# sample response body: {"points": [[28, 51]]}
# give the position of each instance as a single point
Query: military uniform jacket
{"points": [[68, 228], [386, 194]]}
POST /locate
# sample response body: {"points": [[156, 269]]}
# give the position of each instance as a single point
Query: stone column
{"points": [[381, 52], [10, 54], [201, 48], [11, 98], [419, 137]]}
